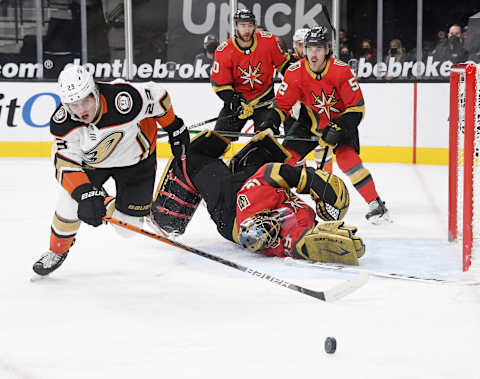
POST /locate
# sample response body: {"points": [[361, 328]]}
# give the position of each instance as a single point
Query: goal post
{"points": [[464, 170]]}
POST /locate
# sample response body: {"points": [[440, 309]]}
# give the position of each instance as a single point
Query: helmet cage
{"points": [[259, 232]]}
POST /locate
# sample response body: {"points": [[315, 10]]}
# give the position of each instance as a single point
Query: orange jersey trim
{"points": [[149, 128], [167, 118]]}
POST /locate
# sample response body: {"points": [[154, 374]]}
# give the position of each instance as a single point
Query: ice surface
{"points": [[136, 308]]}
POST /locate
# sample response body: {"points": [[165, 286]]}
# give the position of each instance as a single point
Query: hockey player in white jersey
{"points": [[105, 130]]}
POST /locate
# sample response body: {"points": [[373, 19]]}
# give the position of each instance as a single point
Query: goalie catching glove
{"points": [[331, 242], [240, 107]]}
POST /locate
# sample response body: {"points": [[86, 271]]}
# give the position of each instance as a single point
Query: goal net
{"points": [[464, 168]]}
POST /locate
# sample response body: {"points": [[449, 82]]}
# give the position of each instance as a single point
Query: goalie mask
{"points": [[333, 208], [260, 231]]}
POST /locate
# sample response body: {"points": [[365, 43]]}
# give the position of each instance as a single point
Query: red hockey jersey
{"points": [[249, 72], [258, 195], [324, 97]]}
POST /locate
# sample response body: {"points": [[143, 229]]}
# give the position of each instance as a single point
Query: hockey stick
{"points": [[202, 123], [379, 274], [226, 133], [332, 294]]}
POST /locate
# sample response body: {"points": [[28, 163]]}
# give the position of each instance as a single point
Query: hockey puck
{"points": [[330, 345]]}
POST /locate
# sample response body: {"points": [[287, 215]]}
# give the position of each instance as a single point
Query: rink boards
{"points": [[404, 122]]}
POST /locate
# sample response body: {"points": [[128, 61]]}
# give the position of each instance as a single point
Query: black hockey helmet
{"points": [[317, 36], [244, 15]]}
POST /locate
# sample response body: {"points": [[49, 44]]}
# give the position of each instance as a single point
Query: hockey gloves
{"points": [[91, 207], [178, 137], [332, 135], [267, 124], [327, 190], [240, 107], [332, 241]]}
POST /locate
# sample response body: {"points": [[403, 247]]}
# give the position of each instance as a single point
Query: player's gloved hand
{"points": [[240, 107], [91, 207], [327, 190], [267, 124], [178, 137], [332, 134], [333, 241]]}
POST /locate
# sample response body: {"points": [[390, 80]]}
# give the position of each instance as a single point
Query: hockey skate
{"points": [[49, 262], [378, 213]]}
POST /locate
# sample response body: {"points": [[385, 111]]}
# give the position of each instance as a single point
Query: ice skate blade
{"points": [[38, 278], [380, 220]]}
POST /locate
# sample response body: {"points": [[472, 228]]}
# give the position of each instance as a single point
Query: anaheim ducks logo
{"points": [[251, 74], [325, 103], [103, 149]]}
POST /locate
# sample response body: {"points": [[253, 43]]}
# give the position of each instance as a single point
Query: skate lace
{"points": [[49, 259]]}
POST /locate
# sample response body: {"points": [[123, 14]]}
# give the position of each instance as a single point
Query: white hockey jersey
{"points": [[124, 133]]}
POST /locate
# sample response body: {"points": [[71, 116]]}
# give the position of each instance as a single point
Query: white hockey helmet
{"points": [[76, 83], [299, 34]]}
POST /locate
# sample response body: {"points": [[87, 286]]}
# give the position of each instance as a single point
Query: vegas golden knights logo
{"points": [[242, 202], [103, 149]]}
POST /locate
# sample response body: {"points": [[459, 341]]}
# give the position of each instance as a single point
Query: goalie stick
{"points": [[385, 275], [202, 123], [337, 292]]}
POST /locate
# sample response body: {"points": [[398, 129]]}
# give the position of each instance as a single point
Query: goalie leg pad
{"points": [[176, 200], [262, 148], [209, 143], [331, 242]]}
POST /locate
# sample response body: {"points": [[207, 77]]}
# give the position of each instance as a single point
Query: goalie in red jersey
{"points": [[242, 73], [252, 201], [332, 107]]}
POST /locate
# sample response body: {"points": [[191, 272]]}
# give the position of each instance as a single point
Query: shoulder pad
{"points": [[222, 46], [124, 103], [61, 123], [266, 34], [294, 66]]}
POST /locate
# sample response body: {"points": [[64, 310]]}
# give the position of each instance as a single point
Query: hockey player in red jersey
{"points": [[332, 107], [252, 203], [105, 130], [242, 73]]}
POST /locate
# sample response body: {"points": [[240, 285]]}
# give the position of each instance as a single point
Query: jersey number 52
{"points": [[354, 84], [283, 88]]}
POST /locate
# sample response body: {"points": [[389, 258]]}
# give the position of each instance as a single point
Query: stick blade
{"points": [[345, 288]]}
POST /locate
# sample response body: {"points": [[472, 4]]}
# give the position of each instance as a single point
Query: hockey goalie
{"points": [[252, 203]]}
